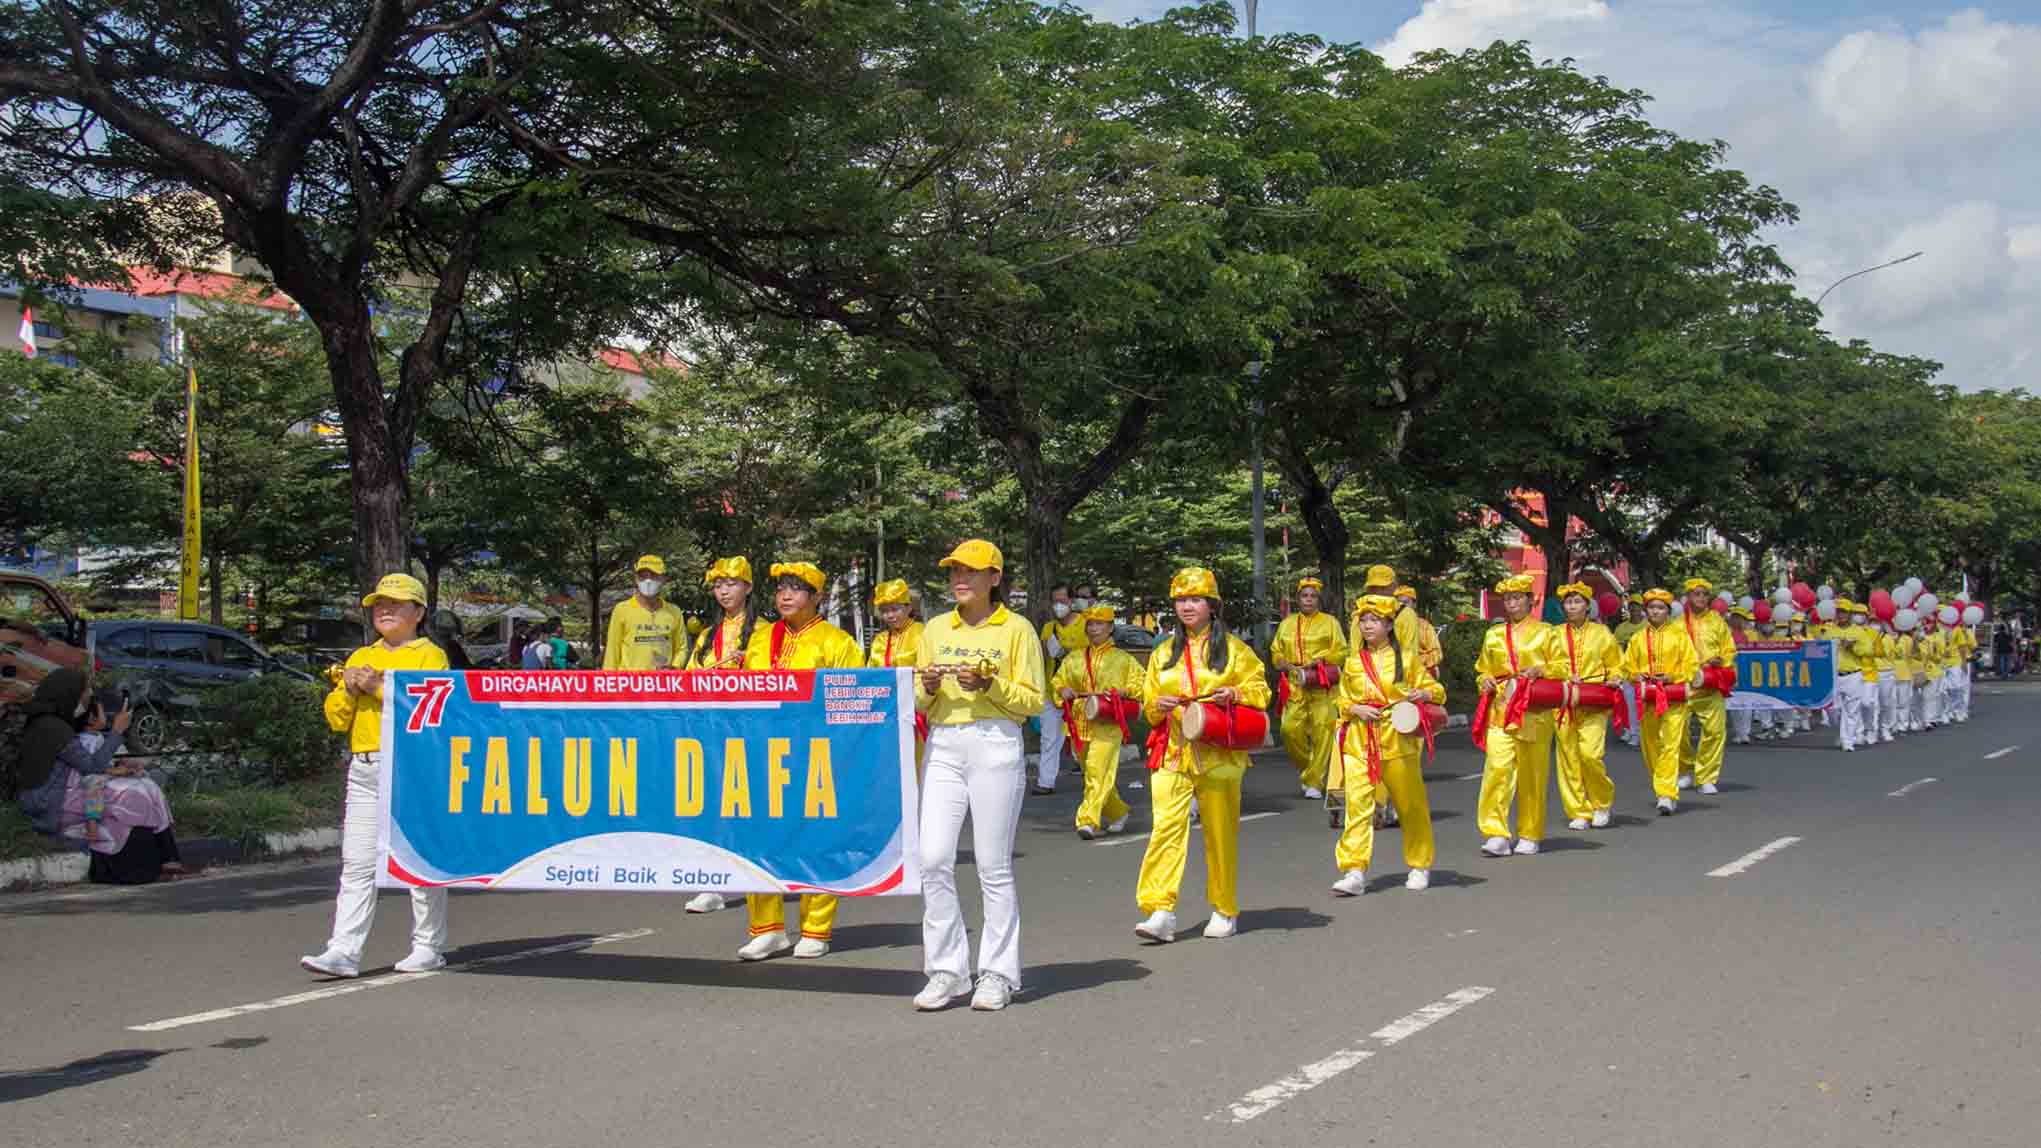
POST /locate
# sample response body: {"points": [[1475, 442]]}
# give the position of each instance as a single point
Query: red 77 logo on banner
{"points": [[432, 694]]}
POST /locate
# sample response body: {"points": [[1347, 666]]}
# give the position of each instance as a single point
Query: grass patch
{"points": [[18, 839], [244, 813]]}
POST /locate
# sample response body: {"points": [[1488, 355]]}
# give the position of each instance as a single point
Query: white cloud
{"points": [[1891, 138]]}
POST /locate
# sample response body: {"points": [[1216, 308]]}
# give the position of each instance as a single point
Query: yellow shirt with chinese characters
{"points": [[1004, 638]]}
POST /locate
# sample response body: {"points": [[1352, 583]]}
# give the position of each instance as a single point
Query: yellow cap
{"points": [[1380, 605], [892, 593], [1637, 599], [806, 571], [1694, 584], [1381, 576], [1740, 612], [1309, 583], [397, 588], [1194, 582], [652, 562], [975, 554], [1098, 613], [1409, 592], [695, 625], [1580, 588], [1655, 594], [738, 568], [1516, 584]]}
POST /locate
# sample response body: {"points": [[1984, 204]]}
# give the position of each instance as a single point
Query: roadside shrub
{"points": [[1458, 647], [269, 726]]}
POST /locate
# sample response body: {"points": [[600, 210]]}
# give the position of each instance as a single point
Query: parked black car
{"points": [[169, 666]]}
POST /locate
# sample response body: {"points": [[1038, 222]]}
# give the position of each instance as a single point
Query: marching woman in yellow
{"points": [[800, 640], [1583, 651], [980, 676], [1428, 649], [898, 643], [1519, 760], [722, 646], [1370, 751], [1104, 671], [1308, 651], [1707, 707], [1201, 662], [1660, 655]]}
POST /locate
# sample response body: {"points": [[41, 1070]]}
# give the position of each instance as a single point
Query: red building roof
{"points": [[639, 362], [147, 281]]}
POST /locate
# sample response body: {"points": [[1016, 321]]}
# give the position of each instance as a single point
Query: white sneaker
{"points": [[1419, 879], [765, 945], [1087, 831], [331, 963], [1666, 805], [1527, 848], [1710, 789], [1389, 818], [1221, 926], [942, 988], [1577, 823], [1196, 817], [1849, 749], [705, 903], [1160, 927], [1313, 793], [810, 948], [993, 993], [1351, 883], [1496, 847], [1600, 820], [1137, 783], [1119, 826], [1686, 781], [421, 960]]}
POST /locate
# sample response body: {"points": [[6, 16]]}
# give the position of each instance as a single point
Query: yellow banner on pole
{"points": [[187, 582]]}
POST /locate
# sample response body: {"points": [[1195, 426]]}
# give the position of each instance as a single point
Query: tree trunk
{"points": [[378, 455], [261, 608], [213, 580], [1322, 520], [432, 568], [595, 630], [1044, 542]]}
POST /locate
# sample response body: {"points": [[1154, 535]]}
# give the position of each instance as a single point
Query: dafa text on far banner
{"points": [[661, 781]]}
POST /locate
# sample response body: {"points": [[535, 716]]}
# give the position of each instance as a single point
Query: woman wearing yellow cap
{"points": [[1308, 650], [355, 707], [1518, 762], [800, 640], [899, 640], [1100, 670], [722, 646], [1583, 651], [1660, 655], [980, 676], [1428, 649], [1201, 662], [645, 631], [1371, 753], [1708, 709]]}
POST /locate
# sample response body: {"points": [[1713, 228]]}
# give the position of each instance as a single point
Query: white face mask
{"points": [[650, 587], [1080, 603], [1062, 609]]}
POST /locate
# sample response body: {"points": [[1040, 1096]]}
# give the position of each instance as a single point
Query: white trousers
{"points": [[1636, 715], [1870, 698], [1891, 706], [1956, 688], [1917, 705], [1051, 759], [1739, 724], [356, 907], [980, 769], [1849, 706]]}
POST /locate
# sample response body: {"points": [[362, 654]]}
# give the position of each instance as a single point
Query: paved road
{"points": [[1872, 980]]}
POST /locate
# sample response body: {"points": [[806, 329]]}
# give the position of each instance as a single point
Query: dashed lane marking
{"points": [[1753, 857]]}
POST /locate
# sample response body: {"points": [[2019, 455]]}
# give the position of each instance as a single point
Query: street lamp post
{"points": [[1866, 271]]}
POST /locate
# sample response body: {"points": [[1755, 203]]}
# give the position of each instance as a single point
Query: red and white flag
{"points": [[28, 332]]}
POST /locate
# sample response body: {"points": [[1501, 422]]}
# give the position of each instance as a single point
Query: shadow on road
{"points": [[1568, 845], [28, 1084], [784, 974], [1044, 981], [227, 894], [1284, 918]]}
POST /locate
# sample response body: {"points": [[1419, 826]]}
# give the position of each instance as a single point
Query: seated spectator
{"points": [[73, 788]]}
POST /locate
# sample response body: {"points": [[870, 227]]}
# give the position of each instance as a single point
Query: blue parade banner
{"points": [[660, 781], [1785, 675]]}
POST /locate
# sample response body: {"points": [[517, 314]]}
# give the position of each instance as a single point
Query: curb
{"points": [[70, 868]]}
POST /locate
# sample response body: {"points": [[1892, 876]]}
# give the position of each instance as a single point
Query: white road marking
{"points": [[1312, 1075], [363, 985], [1143, 836], [1910, 786], [1751, 858], [1994, 755], [1468, 777]]}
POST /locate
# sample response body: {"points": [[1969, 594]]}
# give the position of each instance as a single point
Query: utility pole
{"points": [[1261, 587]]}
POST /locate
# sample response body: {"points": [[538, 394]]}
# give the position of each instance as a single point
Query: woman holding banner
{"points": [[721, 646], [1098, 688], [800, 640], [980, 675], [1661, 661], [1370, 750], [1206, 678]]}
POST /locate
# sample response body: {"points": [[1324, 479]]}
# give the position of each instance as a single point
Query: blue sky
{"points": [[1893, 127]]}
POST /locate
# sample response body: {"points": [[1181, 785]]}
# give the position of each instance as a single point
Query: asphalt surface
{"points": [[1873, 980]]}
